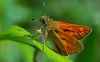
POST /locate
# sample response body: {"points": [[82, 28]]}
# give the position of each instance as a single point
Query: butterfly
{"points": [[64, 37]]}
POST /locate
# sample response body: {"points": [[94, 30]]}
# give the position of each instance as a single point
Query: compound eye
{"points": [[44, 21]]}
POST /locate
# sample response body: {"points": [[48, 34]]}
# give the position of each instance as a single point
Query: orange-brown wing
{"points": [[76, 31], [57, 43], [64, 43], [71, 44]]}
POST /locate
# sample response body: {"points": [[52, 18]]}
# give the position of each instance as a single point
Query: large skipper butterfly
{"points": [[64, 37]]}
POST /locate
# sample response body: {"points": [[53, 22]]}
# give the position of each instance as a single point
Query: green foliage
{"points": [[20, 35]]}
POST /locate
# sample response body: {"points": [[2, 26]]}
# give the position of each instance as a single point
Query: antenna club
{"points": [[43, 4]]}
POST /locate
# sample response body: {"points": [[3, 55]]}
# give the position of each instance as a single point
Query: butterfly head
{"points": [[44, 19]]}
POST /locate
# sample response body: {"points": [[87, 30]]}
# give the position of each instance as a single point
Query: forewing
{"points": [[76, 31]]}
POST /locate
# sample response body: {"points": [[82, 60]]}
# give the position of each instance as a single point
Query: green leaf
{"points": [[20, 35]]}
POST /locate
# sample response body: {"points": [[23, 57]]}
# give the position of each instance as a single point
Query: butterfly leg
{"points": [[45, 36], [37, 32]]}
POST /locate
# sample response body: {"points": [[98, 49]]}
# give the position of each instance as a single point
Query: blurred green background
{"points": [[21, 12]]}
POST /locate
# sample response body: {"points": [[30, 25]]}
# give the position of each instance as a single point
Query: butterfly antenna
{"points": [[44, 9]]}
